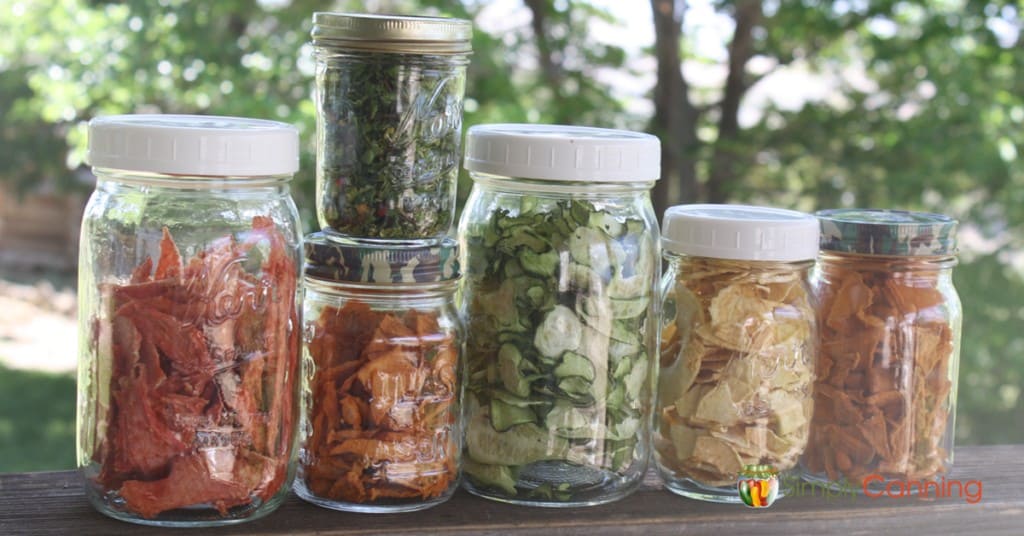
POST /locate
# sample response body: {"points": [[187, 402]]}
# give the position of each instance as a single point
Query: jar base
{"points": [[188, 517], [591, 486], [305, 494], [691, 489], [341, 238]]}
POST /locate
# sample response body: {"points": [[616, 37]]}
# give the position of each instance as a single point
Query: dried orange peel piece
{"points": [[882, 404], [383, 409]]}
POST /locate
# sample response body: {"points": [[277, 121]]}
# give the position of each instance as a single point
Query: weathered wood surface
{"points": [[53, 503]]}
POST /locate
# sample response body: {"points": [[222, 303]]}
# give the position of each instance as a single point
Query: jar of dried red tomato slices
{"points": [[885, 394], [188, 319], [381, 360]]}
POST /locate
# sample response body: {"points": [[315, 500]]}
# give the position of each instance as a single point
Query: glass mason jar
{"points": [[560, 249], [188, 319], [381, 369], [389, 93], [885, 397], [738, 339]]}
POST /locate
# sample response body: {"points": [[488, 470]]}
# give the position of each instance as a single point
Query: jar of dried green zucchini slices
{"points": [[561, 265]]}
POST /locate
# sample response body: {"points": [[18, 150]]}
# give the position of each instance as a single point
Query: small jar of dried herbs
{"points": [[885, 395], [561, 260], [188, 279], [738, 339], [383, 342], [389, 93]]}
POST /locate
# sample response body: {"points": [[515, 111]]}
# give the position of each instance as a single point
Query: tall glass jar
{"points": [[381, 368], [389, 93], [737, 347], [188, 319], [561, 258], [885, 398]]}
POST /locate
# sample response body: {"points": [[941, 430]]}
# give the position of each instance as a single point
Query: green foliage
{"points": [[991, 376], [67, 61], [37, 421], [932, 121]]}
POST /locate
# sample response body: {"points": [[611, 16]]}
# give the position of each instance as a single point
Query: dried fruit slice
{"points": [[883, 373], [737, 390], [383, 406], [198, 372]]}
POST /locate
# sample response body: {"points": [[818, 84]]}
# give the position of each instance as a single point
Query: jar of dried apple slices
{"points": [[188, 319], [383, 341], [738, 338], [885, 395]]}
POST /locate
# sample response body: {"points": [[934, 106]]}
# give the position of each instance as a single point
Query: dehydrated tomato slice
{"points": [[201, 408], [189, 483], [144, 443], [170, 260]]}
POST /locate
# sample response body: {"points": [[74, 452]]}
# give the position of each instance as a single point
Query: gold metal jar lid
{"points": [[392, 33]]}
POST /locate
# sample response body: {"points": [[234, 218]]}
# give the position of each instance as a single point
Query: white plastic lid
{"points": [[203, 145], [566, 153], [740, 232]]}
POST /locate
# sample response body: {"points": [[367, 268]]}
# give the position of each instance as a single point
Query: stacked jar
{"points": [[560, 249], [885, 396], [737, 347], [389, 93], [188, 319], [383, 339]]}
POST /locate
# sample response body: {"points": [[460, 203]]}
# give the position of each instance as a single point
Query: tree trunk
{"points": [[675, 117], [539, 24], [554, 76], [722, 176]]}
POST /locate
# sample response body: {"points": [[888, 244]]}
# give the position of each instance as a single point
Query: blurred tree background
{"points": [[802, 104]]}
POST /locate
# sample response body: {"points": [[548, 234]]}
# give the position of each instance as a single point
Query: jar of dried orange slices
{"points": [[737, 348], [885, 394], [381, 363]]}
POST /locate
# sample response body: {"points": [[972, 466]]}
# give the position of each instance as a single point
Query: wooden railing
{"points": [[54, 503]]}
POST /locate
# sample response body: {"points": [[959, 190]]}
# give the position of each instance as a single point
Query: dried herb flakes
{"points": [[389, 131]]}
